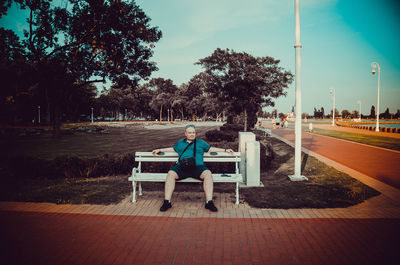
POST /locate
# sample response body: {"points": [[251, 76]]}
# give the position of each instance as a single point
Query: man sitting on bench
{"points": [[190, 164]]}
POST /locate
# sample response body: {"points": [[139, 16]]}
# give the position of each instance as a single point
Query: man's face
{"points": [[190, 133]]}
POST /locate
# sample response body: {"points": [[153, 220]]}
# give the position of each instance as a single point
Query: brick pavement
{"points": [[59, 238], [126, 233]]}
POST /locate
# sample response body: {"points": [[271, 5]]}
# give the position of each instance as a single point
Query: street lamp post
{"points": [[39, 114], [375, 65], [297, 151], [332, 91], [92, 115], [359, 102]]}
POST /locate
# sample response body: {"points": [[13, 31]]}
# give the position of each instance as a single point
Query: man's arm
{"points": [[216, 149], [168, 149]]}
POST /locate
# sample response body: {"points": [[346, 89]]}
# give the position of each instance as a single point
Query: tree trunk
{"points": [[56, 122], [161, 113], [245, 120], [48, 115], [182, 113]]}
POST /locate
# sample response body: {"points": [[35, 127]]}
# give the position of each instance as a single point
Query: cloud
{"points": [[21, 27], [213, 16]]}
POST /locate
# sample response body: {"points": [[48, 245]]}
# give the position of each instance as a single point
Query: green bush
{"points": [[25, 167], [217, 136], [232, 127]]}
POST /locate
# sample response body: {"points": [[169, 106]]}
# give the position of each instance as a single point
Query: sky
{"points": [[340, 39]]}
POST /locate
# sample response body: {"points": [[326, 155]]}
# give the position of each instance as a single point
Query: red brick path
{"points": [[381, 164], [51, 238]]}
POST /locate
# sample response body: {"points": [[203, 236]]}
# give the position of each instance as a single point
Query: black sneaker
{"points": [[166, 205], [210, 206]]}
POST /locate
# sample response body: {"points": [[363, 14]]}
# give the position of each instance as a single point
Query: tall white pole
{"points": [[376, 65], [334, 107], [297, 152], [39, 114], [92, 115], [359, 102], [332, 91]]}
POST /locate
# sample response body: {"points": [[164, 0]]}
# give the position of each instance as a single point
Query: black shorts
{"points": [[194, 173]]}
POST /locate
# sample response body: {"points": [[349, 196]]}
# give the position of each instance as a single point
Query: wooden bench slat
{"points": [[174, 159], [160, 177], [174, 154]]}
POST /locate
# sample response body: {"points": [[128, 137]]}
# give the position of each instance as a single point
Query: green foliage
{"points": [[70, 45], [244, 82], [217, 136], [345, 114], [231, 127], [11, 48], [372, 115], [164, 91], [22, 167]]}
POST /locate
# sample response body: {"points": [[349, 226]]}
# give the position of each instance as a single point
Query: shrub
{"points": [[25, 167], [232, 127], [217, 136]]}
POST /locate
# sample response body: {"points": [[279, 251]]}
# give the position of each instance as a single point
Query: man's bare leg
{"points": [[170, 184], [208, 184]]}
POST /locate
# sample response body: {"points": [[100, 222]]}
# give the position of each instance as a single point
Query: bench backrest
{"points": [[173, 157]]}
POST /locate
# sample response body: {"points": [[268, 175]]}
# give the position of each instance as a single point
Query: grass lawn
{"points": [[374, 140], [326, 187], [379, 141]]}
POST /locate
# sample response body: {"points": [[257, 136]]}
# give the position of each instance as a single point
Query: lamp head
{"points": [[373, 71]]}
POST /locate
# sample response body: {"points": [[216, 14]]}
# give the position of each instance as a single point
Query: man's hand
{"points": [[155, 151], [230, 151]]}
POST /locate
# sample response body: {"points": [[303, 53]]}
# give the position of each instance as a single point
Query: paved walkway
{"points": [[379, 163], [126, 233]]}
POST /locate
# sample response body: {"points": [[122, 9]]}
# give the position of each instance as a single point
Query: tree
{"points": [[196, 95], [345, 114], [246, 83], [143, 96], [355, 114], [386, 114], [372, 114], [11, 48], [163, 89], [397, 115], [336, 113], [180, 100], [91, 41], [318, 114]]}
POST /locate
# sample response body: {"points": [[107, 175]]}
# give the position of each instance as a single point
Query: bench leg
{"points": [[237, 193], [140, 189], [134, 191]]}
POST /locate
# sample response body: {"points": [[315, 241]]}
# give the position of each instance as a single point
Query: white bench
{"points": [[138, 176]]}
